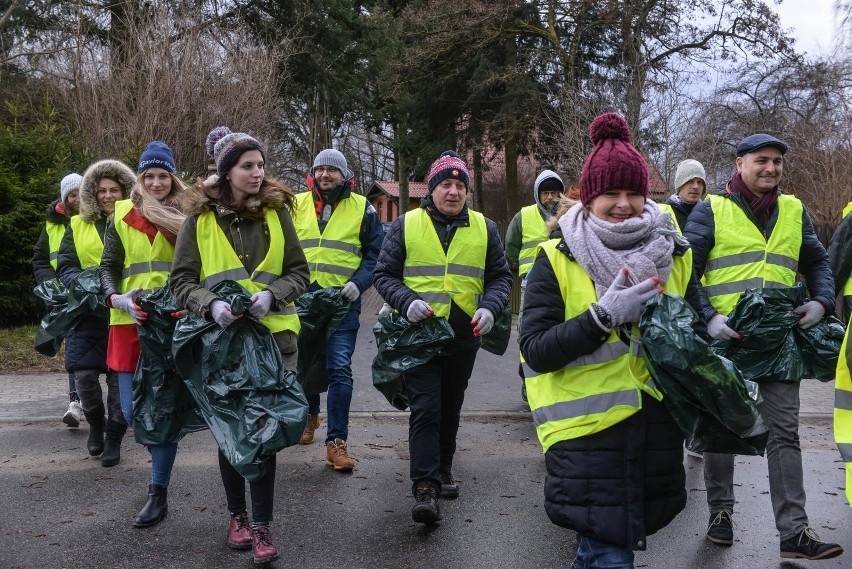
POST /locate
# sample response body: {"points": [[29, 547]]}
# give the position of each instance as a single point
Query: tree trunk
{"points": [[511, 157], [402, 174], [478, 197]]}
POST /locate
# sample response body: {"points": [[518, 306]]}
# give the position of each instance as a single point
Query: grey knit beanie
{"points": [[686, 171], [68, 184], [332, 157]]}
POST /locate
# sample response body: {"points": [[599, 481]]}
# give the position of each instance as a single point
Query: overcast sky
{"points": [[813, 24]]}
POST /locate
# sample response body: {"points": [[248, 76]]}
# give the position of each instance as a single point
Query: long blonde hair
{"points": [[566, 202], [166, 214]]}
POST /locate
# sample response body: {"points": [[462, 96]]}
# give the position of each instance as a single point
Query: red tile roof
{"points": [[415, 189]]}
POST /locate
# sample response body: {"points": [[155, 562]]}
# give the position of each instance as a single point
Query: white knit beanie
{"points": [[68, 184], [686, 171]]}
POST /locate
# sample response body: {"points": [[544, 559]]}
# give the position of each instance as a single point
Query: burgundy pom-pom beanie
{"points": [[614, 163]]}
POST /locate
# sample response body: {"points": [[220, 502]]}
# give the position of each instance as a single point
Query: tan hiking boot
{"points": [[337, 456], [310, 427]]}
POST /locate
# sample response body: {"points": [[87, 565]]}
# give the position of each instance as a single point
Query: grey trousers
{"points": [[780, 412], [91, 395]]}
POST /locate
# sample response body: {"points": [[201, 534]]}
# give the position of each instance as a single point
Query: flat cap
{"points": [[757, 141]]}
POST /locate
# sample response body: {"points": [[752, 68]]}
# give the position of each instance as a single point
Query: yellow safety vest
{"points": [[846, 209], [219, 263], [335, 254], [87, 242], [847, 287], [439, 278], [742, 258], [667, 208], [601, 389], [146, 264], [54, 231], [843, 411], [533, 233]]}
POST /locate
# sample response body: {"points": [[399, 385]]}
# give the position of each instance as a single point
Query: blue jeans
{"points": [[593, 554], [162, 461], [125, 393]]}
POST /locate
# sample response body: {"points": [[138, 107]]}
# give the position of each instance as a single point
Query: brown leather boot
{"points": [[263, 550], [337, 456], [239, 532], [310, 427]]}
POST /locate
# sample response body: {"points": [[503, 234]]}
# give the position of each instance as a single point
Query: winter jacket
{"points": [[624, 483], [840, 256], [813, 260], [42, 269], [514, 233], [681, 209], [498, 278]]}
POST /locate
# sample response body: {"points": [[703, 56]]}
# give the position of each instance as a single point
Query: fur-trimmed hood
{"points": [[90, 211], [197, 198]]}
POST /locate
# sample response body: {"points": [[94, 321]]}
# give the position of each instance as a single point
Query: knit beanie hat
{"points": [[614, 163], [68, 184], [229, 146], [448, 166], [157, 155], [332, 157], [688, 170]]}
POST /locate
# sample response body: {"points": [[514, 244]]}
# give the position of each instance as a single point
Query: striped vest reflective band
{"points": [[87, 242], [438, 278], [533, 233], [601, 389], [334, 255], [843, 411], [146, 264], [667, 208], [54, 231], [742, 258], [220, 263]]}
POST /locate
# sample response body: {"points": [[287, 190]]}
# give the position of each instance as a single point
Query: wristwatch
{"points": [[601, 316]]}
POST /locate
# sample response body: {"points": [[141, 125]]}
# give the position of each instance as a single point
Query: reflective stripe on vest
{"points": [[533, 233], [335, 254], [843, 411], [457, 276], [54, 231], [742, 258], [87, 242], [146, 264], [219, 263], [601, 389]]}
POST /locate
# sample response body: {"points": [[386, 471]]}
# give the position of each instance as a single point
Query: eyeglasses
{"points": [[320, 170]]}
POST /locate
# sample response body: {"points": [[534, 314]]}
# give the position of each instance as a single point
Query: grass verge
{"points": [[17, 354]]}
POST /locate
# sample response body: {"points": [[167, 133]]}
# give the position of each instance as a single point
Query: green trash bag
{"points": [[708, 398], [403, 345], [84, 298], [253, 406], [320, 313], [55, 297], [773, 347], [497, 340], [164, 410]]}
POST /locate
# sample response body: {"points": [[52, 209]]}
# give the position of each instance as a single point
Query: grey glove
{"points": [[261, 302], [418, 310], [221, 312], [385, 309], [483, 321], [812, 312], [350, 292], [624, 304], [719, 330], [126, 303]]}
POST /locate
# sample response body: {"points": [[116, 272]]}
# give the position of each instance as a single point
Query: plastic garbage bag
{"points": [[403, 345], [497, 340], [84, 297], [253, 406], [164, 410], [55, 297], [708, 398], [320, 312]]}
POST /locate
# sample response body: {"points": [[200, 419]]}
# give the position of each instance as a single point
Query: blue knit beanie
{"points": [[157, 155]]}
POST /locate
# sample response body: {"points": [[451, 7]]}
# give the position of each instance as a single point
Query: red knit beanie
{"points": [[614, 163]]}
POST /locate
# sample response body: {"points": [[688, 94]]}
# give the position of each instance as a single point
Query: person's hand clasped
{"points": [[350, 292], [624, 304], [719, 330], [221, 312], [418, 310], [483, 321], [261, 303], [811, 311], [126, 303], [385, 309]]}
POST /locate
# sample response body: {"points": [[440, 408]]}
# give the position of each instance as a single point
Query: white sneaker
{"points": [[73, 415]]}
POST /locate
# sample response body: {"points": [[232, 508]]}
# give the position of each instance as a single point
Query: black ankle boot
{"points": [[154, 509], [112, 443], [95, 442]]}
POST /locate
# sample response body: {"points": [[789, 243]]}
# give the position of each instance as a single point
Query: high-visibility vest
{"points": [[847, 286], [846, 209], [439, 278], [533, 233], [742, 258], [219, 263], [601, 389], [146, 264], [54, 231], [667, 208], [87, 242], [335, 254], [843, 411]]}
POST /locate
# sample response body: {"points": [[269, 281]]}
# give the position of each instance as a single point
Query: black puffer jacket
{"points": [[840, 256], [681, 209], [387, 278], [626, 482], [42, 269], [813, 260]]}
